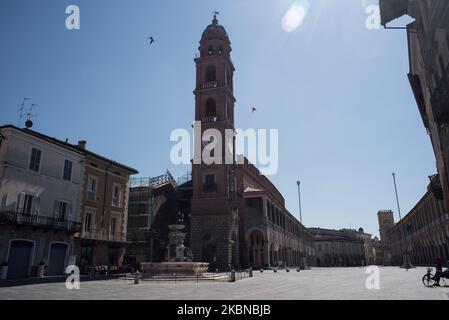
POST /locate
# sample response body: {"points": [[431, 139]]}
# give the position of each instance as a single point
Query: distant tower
{"points": [[213, 230], [386, 222]]}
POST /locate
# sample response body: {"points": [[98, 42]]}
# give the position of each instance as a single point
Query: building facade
{"points": [[342, 248], [422, 234], [238, 218], [103, 211], [40, 182], [428, 48]]}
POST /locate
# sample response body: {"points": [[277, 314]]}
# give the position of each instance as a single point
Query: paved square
{"points": [[318, 283]]}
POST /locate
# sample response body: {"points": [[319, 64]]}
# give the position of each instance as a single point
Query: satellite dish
{"points": [[28, 124]]}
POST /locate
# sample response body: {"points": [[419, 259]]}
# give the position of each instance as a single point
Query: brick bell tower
{"points": [[214, 232]]}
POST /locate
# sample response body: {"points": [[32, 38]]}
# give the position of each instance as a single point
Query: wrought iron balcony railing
{"points": [[16, 218], [103, 235], [209, 119], [209, 85]]}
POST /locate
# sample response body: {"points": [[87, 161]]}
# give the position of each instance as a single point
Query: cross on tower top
{"points": [[215, 20]]}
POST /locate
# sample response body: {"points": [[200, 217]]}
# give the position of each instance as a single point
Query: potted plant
{"points": [[41, 269], [3, 270]]}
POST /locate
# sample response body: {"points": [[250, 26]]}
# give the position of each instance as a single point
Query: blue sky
{"points": [[337, 92]]}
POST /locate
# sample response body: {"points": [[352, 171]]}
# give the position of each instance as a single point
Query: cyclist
{"points": [[439, 271]]}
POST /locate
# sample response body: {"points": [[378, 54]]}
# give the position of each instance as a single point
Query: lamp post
{"points": [[405, 256], [396, 191], [299, 197]]}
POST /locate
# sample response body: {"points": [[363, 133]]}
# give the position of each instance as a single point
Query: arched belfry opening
{"points": [[211, 108], [211, 73]]}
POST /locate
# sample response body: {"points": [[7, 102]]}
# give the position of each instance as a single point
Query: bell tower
{"points": [[212, 224], [214, 74]]}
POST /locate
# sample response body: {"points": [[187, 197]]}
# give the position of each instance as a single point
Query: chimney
{"points": [[82, 144]]}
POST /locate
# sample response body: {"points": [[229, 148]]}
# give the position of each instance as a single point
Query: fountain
{"points": [[177, 263]]}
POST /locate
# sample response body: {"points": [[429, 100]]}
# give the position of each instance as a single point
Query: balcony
{"points": [[209, 119], [103, 235], [15, 218], [210, 85], [440, 99]]}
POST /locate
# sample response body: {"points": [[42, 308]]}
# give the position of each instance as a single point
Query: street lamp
{"points": [[299, 197], [396, 191], [406, 263]]}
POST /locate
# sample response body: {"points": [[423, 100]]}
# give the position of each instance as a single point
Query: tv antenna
{"points": [[22, 109], [29, 115]]}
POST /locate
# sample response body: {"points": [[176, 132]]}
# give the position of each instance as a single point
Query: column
{"points": [[266, 254]]}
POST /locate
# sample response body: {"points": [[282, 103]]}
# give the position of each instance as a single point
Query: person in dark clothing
{"points": [[439, 271]]}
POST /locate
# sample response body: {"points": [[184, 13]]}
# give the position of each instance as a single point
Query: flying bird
{"points": [[253, 109], [151, 40]]}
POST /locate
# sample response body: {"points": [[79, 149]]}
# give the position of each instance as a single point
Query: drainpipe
{"points": [[104, 194]]}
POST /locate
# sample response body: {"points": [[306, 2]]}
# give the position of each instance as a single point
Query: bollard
{"points": [[41, 270], [91, 274], [288, 270], [232, 276], [275, 270], [298, 269], [250, 272], [137, 277], [261, 270]]}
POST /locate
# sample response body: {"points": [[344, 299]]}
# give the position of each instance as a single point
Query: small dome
{"points": [[215, 31]]}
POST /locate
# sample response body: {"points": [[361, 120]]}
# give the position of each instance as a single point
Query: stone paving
{"points": [[318, 283]]}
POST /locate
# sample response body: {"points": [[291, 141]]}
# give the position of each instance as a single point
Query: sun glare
{"points": [[295, 15]]}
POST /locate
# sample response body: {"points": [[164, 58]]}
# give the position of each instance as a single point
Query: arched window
{"points": [[211, 74], [220, 50], [211, 50], [211, 108]]}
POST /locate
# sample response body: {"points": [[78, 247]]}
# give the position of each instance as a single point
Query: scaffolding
{"points": [[142, 199]]}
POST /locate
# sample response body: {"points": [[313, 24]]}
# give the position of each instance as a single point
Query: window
{"points": [[62, 210], [35, 160], [211, 74], [113, 227], [26, 204], [91, 188], [211, 50], [116, 195], [88, 222], [209, 184], [211, 108], [67, 175]]}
